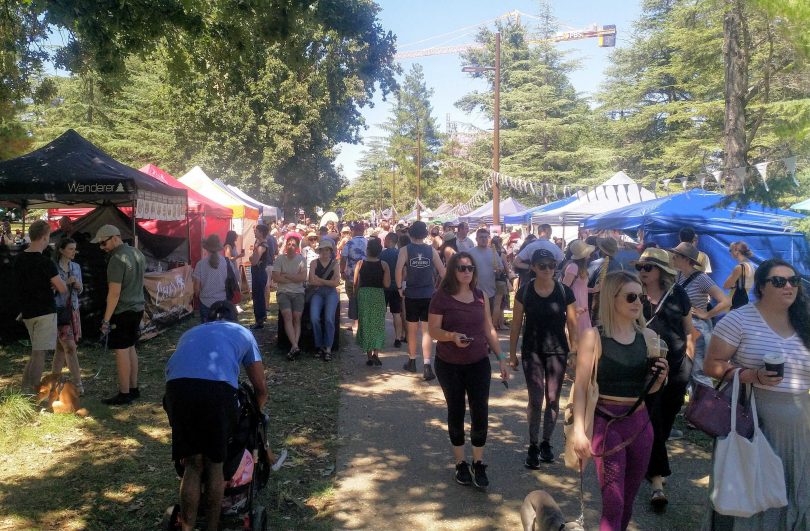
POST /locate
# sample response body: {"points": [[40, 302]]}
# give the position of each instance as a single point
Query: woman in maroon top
{"points": [[460, 320]]}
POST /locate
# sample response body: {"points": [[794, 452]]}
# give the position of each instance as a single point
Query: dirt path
{"points": [[394, 466]]}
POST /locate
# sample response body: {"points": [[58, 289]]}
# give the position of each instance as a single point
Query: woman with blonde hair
{"points": [[741, 278], [622, 436]]}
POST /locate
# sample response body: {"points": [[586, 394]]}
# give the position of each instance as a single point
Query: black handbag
{"points": [[64, 314], [740, 296]]}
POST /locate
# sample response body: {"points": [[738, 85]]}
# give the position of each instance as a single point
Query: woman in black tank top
{"points": [[621, 435], [371, 275]]}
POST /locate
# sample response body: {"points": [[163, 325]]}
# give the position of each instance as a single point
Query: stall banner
{"points": [[169, 296]]}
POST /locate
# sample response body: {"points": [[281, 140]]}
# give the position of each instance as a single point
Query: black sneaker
{"points": [[463, 476], [369, 362], [121, 399], [546, 455], [533, 457], [427, 374], [397, 343], [134, 392], [376, 359], [410, 366], [479, 475]]}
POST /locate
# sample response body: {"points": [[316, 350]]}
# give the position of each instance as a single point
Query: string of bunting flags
{"points": [[555, 191]]}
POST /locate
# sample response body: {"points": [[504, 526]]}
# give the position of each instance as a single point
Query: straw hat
{"points": [[212, 244], [608, 246], [579, 249], [687, 250], [656, 257]]}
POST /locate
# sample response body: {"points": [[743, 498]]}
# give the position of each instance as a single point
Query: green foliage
{"points": [[16, 410], [665, 93]]}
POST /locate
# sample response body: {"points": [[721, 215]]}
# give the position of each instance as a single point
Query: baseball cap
{"points": [[542, 255], [104, 232]]}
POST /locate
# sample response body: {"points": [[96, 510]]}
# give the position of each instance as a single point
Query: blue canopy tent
{"points": [[766, 231], [524, 217]]}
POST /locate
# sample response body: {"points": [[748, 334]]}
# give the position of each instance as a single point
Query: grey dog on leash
{"points": [[540, 512]]}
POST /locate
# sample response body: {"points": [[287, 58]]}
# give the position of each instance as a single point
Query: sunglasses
{"points": [[465, 268], [780, 282], [631, 297], [644, 267], [102, 243], [545, 266]]}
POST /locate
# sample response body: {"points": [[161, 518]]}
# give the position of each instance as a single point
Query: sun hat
{"points": [[657, 257], [579, 249], [447, 236], [687, 250], [312, 234], [608, 246], [104, 232], [326, 243], [212, 243]]}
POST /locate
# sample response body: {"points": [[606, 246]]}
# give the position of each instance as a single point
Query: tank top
{"points": [[419, 271], [321, 269], [371, 275], [264, 259], [622, 368]]}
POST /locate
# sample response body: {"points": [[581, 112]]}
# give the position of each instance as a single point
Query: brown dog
{"points": [[61, 395], [540, 512]]}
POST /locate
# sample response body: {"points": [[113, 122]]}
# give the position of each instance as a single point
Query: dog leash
{"points": [[103, 357]]}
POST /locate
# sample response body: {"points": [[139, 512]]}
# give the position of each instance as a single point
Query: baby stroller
{"points": [[246, 469]]}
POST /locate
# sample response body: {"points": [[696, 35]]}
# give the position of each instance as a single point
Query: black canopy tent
{"points": [[70, 170]]}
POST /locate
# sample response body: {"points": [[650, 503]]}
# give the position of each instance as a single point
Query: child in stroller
{"points": [[247, 466]]}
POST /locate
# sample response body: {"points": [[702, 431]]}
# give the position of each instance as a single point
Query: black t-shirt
{"points": [[669, 321], [544, 327], [32, 280]]}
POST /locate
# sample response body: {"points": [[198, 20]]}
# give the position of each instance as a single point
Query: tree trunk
{"points": [[735, 56]]}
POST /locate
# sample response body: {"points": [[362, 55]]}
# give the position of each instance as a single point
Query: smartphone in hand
{"points": [[466, 339]]}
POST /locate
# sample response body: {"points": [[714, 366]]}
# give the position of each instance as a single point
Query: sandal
{"points": [[658, 500], [293, 353], [327, 356]]}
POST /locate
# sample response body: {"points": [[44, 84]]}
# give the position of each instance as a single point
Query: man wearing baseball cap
{"points": [[124, 310]]}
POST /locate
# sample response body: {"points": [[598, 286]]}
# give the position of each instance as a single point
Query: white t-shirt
{"points": [[745, 329], [464, 244]]}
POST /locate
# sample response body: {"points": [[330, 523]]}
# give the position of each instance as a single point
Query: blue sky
{"points": [[423, 20]]}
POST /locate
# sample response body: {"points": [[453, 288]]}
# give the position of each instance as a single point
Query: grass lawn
{"points": [[112, 470]]}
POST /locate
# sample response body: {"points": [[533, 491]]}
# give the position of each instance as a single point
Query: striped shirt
{"points": [[745, 329], [697, 289]]}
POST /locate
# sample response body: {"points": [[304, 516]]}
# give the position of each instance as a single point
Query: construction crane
{"points": [[606, 35]]}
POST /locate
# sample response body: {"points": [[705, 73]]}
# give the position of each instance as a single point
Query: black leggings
{"points": [[473, 380], [544, 378], [664, 407]]}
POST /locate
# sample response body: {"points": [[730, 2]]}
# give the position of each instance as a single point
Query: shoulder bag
{"points": [[232, 291], [748, 476], [591, 397], [709, 409], [740, 295]]}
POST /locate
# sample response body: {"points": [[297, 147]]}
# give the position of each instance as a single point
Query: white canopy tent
{"points": [[618, 191]]}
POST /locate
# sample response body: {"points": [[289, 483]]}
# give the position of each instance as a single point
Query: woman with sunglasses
{"points": [[550, 308], [667, 311], [778, 323], [620, 447], [460, 320]]}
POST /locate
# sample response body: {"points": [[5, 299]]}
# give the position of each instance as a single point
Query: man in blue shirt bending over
{"points": [[202, 379]]}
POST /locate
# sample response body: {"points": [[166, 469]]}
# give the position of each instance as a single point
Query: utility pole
{"points": [[418, 169], [393, 191], [496, 133]]}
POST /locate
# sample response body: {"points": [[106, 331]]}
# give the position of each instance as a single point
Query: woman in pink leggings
{"points": [[622, 435]]}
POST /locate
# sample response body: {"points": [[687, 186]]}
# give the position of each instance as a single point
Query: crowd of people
{"points": [[647, 324]]}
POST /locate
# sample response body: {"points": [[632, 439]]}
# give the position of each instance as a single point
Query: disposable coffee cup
{"points": [[775, 363]]}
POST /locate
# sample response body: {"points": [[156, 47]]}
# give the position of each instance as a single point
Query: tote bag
{"points": [[591, 397], [748, 475]]}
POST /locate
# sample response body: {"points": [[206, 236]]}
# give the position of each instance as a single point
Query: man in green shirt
{"points": [[124, 311]]}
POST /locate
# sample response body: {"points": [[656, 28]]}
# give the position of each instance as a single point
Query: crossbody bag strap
{"points": [[660, 304], [692, 277]]}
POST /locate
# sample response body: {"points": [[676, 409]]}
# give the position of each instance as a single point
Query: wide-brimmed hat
{"points": [[608, 246], [104, 232], [579, 249], [687, 250], [312, 234], [212, 243], [326, 243], [656, 257], [447, 236]]}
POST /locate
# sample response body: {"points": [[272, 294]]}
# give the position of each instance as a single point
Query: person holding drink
{"points": [[622, 436], [770, 341], [460, 320]]}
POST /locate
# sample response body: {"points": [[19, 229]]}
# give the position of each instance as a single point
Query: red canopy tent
{"points": [[204, 215]]}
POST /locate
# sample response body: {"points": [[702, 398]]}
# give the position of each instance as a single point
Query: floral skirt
{"points": [[371, 318]]}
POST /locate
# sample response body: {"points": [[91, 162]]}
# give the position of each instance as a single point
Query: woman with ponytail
{"points": [[209, 276]]}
